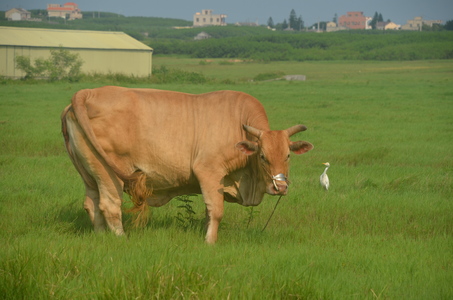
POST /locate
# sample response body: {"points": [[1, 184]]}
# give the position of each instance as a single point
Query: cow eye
{"points": [[287, 158], [263, 158]]}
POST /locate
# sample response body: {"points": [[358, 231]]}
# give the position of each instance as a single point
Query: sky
{"points": [[311, 11]]}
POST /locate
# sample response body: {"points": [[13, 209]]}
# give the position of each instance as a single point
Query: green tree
{"points": [[380, 18], [449, 25], [374, 20], [300, 23], [293, 19], [270, 22], [284, 25]]}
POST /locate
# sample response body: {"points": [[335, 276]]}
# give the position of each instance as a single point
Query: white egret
{"points": [[324, 179]]}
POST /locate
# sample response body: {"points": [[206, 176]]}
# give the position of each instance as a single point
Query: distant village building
{"points": [[202, 36], [69, 11], [387, 26], [17, 14], [207, 18], [417, 23], [354, 20], [332, 26], [251, 24]]}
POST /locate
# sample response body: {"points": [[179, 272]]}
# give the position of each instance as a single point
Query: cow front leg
{"points": [[212, 190], [214, 214]]}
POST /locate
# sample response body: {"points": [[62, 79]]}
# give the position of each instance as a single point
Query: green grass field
{"points": [[383, 231]]}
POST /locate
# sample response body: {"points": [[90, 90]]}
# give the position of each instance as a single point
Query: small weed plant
{"points": [[251, 215], [186, 216]]}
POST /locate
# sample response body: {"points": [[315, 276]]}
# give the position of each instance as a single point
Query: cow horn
{"points": [[295, 129], [253, 131]]}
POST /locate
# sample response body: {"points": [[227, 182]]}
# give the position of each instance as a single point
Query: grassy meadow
{"points": [[384, 230]]}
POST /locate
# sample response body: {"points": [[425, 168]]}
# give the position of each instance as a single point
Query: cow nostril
{"points": [[280, 187]]}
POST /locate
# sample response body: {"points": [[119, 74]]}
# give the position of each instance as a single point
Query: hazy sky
{"points": [[398, 11]]}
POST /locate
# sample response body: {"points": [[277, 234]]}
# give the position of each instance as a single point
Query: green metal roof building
{"points": [[101, 51]]}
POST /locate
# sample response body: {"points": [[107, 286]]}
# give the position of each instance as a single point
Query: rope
{"points": [[278, 201]]}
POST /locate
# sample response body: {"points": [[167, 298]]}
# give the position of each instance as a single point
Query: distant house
{"points": [[17, 14], [202, 36], [417, 23], [387, 26], [69, 11], [354, 20], [332, 26], [207, 18], [251, 24]]}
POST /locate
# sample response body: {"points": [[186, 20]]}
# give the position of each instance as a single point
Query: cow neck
{"points": [[256, 190]]}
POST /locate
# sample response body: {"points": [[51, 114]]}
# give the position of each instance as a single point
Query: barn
{"points": [[101, 51]]}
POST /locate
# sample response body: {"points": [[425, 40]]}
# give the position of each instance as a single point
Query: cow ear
{"points": [[300, 147], [247, 147]]}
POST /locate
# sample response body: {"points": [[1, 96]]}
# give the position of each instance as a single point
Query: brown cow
{"points": [[156, 145]]}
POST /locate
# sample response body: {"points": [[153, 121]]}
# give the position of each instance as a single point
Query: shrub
{"points": [[24, 64], [166, 75], [268, 76], [61, 65]]}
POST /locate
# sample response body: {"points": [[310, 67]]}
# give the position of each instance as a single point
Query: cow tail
{"points": [[81, 113], [64, 127], [136, 187], [135, 183]]}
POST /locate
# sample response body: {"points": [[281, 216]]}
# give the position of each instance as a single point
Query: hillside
{"points": [[308, 46], [259, 43], [101, 21]]}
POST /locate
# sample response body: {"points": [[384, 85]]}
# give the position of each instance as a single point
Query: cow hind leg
{"points": [[103, 199], [110, 200], [91, 206], [103, 204], [104, 190]]}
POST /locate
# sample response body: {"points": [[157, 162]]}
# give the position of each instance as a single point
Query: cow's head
{"points": [[272, 150]]}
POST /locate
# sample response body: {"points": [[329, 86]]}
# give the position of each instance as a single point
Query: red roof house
{"points": [[69, 10], [354, 20]]}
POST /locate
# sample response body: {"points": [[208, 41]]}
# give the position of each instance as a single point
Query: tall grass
{"points": [[383, 230]]}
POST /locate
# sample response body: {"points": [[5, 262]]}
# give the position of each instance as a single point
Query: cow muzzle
{"points": [[280, 183]]}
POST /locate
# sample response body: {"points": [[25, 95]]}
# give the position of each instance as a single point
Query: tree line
{"points": [[343, 45], [142, 28], [296, 23]]}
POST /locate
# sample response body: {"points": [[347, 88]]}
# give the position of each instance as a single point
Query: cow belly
{"points": [[167, 182], [166, 175], [162, 197]]}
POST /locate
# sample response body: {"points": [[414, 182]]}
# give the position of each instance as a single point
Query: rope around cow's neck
{"points": [[278, 201]]}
